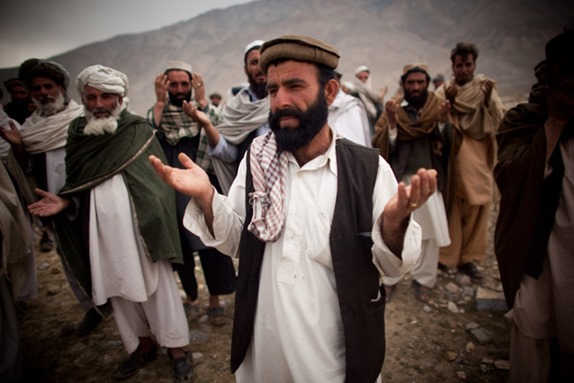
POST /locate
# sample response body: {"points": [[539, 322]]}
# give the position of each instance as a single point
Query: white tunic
{"points": [[143, 294], [118, 260], [348, 117], [298, 334]]}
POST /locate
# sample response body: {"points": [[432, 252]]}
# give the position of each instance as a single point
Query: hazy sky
{"points": [[31, 28]]}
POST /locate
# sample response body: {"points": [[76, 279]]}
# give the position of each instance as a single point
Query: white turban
{"points": [[362, 68], [102, 78]]}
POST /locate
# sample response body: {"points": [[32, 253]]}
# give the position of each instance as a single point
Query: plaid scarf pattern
{"points": [[268, 169], [175, 125]]}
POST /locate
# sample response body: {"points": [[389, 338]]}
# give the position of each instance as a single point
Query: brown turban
{"points": [[298, 48]]}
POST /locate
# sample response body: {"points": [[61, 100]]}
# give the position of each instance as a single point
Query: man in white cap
{"points": [[113, 208], [315, 220], [372, 99], [244, 118], [39, 148], [179, 133]]}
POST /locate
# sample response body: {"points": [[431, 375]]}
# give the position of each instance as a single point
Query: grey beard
{"points": [[101, 126], [51, 108]]}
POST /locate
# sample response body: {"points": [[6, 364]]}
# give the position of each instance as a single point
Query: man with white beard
{"points": [[39, 148], [115, 209]]}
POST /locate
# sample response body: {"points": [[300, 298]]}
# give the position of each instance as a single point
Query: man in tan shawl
{"points": [[475, 113], [39, 147], [414, 133]]}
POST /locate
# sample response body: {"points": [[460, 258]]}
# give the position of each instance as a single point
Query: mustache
{"points": [[290, 112], [47, 98]]}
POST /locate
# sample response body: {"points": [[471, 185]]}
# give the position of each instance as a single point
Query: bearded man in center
{"points": [[314, 220]]}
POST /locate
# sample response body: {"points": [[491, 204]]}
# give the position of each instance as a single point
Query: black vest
{"points": [[361, 300]]}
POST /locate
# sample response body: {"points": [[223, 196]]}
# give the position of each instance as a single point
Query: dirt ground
{"points": [[425, 343]]}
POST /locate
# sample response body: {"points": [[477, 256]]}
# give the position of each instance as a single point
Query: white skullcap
{"points": [[178, 65], [362, 68], [252, 45], [103, 78]]}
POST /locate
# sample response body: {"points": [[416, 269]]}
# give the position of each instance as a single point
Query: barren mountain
{"points": [[382, 34]]}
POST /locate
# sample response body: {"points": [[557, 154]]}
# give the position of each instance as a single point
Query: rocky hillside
{"points": [[382, 34]]}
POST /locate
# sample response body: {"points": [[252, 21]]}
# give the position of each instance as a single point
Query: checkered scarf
{"points": [[268, 169], [175, 125]]}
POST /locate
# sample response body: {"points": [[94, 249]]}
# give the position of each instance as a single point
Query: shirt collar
{"points": [[329, 158]]}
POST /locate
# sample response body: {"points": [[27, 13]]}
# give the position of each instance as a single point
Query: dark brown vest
{"points": [[362, 309]]}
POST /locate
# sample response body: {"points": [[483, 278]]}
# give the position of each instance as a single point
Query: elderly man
{"points": [[534, 232], [118, 212], [373, 100], [314, 219], [178, 132], [40, 144], [415, 134], [476, 111]]}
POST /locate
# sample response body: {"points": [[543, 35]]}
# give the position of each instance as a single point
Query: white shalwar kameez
{"points": [[143, 294], [298, 333]]}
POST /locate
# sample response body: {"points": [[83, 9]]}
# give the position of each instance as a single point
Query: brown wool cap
{"points": [[298, 48], [410, 67]]}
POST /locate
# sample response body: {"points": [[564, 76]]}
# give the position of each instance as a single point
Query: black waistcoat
{"points": [[360, 301]]}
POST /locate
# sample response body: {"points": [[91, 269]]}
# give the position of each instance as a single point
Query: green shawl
{"points": [[91, 160]]}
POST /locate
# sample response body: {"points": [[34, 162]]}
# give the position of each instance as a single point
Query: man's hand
{"points": [[199, 90], [444, 111], [195, 114], [161, 86], [450, 93], [392, 109], [192, 181], [49, 205], [407, 199], [12, 136], [487, 86], [382, 93]]}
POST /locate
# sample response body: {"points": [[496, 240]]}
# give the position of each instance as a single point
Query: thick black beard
{"points": [[177, 101], [310, 123], [259, 89], [417, 101]]}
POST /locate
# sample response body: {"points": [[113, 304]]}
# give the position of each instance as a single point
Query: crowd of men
{"points": [[326, 195]]}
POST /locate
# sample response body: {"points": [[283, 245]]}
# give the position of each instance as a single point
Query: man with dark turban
{"points": [[118, 212], [39, 148], [534, 237], [20, 106], [314, 219]]}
